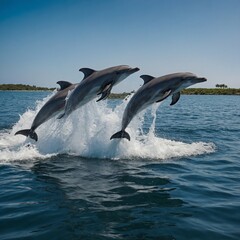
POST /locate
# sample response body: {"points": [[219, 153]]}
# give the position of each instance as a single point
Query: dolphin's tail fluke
{"points": [[28, 133], [121, 134]]}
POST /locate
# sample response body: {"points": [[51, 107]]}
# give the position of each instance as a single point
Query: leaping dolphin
{"points": [[96, 83], [51, 108], [155, 90]]}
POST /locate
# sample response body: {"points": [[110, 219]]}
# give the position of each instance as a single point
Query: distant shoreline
{"points": [[192, 91], [23, 87], [189, 91]]}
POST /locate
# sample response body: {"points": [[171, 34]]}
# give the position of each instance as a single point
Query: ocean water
{"points": [[178, 177]]}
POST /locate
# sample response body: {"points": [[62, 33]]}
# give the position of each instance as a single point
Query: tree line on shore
{"points": [[190, 91], [221, 86], [23, 87], [220, 90]]}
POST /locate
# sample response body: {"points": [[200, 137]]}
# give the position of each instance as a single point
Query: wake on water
{"points": [[86, 133]]}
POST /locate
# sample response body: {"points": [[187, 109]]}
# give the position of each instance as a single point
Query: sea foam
{"points": [[86, 133]]}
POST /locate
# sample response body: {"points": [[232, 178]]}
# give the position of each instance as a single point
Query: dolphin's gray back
{"points": [[139, 101], [88, 88], [52, 107], [83, 93], [104, 72], [149, 92], [171, 76]]}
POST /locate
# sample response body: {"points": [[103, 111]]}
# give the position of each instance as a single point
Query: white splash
{"points": [[87, 131]]}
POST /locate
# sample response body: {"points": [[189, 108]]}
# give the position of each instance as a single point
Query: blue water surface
{"points": [[72, 197]]}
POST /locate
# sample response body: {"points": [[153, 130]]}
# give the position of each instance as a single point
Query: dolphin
{"points": [[96, 83], [52, 107], [155, 90]]}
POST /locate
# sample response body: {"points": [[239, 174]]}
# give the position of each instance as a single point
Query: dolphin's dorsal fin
{"points": [[146, 78], [87, 72], [175, 98], [64, 84]]}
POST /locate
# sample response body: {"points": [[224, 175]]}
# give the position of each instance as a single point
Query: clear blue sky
{"points": [[44, 41]]}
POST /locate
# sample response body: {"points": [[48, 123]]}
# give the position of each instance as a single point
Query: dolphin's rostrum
{"points": [[155, 90], [51, 108], [96, 83]]}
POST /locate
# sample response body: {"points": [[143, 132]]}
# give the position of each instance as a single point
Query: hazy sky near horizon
{"points": [[44, 41]]}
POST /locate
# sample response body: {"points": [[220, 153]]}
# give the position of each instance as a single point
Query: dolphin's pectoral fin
{"points": [[121, 134], [61, 116], [146, 78], [175, 98], [165, 95], [105, 92], [28, 133], [87, 72], [64, 84]]}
